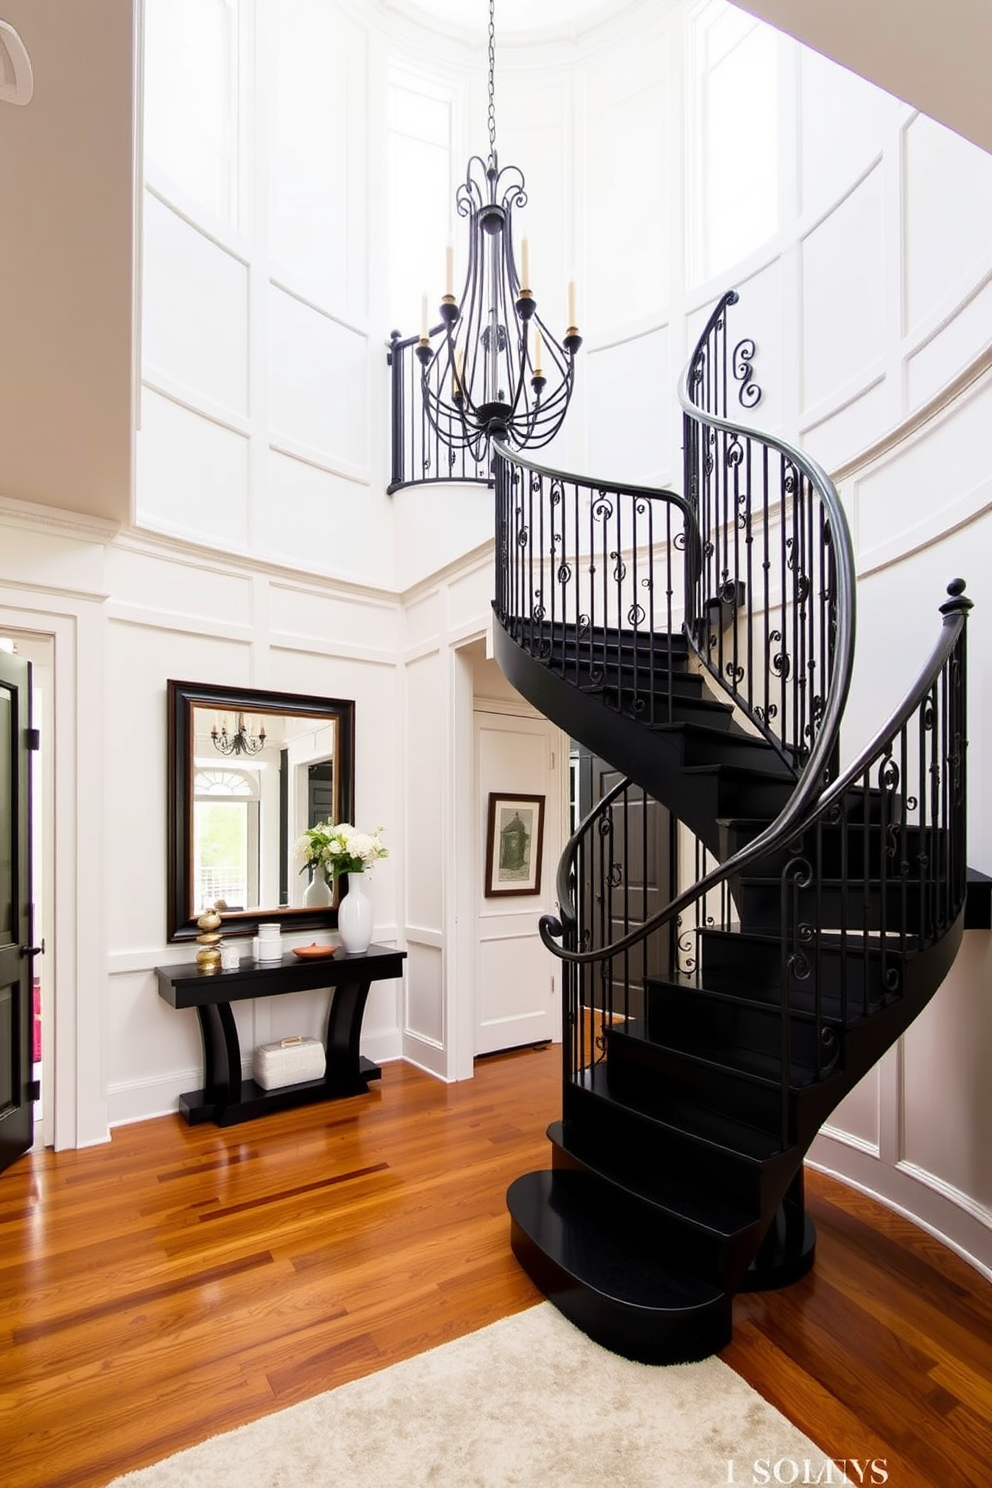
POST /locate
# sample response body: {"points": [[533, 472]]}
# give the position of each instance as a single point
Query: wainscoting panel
{"points": [[318, 380], [195, 317], [939, 262], [843, 293], [192, 473]]}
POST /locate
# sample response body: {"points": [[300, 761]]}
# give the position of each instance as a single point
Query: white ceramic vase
{"points": [[355, 916], [317, 894]]}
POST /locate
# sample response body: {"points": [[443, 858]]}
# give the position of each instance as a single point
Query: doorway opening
{"points": [[39, 650]]}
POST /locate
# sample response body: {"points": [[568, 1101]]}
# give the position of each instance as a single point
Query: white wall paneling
{"points": [[842, 295], [318, 382], [315, 66], [626, 393], [192, 474], [310, 518], [195, 325], [516, 980], [947, 228]]}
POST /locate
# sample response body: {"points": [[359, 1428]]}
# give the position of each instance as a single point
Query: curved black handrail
{"points": [[789, 826], [843, 603], [835, 634]]}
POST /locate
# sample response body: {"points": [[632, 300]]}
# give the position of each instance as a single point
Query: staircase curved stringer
{"points": [[807, 924]]}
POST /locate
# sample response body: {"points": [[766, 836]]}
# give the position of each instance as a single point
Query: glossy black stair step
{"points": [[854, 846], [689, 1142], [698, 1206], [610, 1279], [674, 1013], [739, 1084], [853, 971], [713, 1058], [698, 1123], [764, 790], [589, 674], [703, 746], [857, 905], [600, 641]]}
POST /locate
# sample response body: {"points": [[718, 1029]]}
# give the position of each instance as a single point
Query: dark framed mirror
{"points": [[248, 772]]}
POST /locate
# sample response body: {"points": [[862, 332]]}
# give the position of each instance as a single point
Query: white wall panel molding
{"points": [[420, 935], [954, 1223], [331, 648], [849, 1139], [194, 402], [320, 459], [193, 553], [506, 707], [169, 194], [935, 464], [317, 303], [147, 618]]}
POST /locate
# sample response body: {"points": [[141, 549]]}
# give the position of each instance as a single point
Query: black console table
{"points": [[227, 1096]]}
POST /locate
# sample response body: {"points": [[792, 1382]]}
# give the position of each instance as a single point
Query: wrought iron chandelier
{"points": [[498, 372], [240, 742]]}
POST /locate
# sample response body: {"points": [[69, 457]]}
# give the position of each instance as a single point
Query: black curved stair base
{"points": [[788, 1250], [610, 1283]]}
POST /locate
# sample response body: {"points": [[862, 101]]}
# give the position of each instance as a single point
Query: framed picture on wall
{"points": [[513, 844]]}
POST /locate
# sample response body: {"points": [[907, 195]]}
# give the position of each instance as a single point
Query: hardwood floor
{"points": [[180, 1281]]}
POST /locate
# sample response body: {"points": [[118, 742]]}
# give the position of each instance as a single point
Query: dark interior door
{"points": [[641, 853], [16, 960]]}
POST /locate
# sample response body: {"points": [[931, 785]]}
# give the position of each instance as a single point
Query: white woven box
{"points": [[288, 1062]]}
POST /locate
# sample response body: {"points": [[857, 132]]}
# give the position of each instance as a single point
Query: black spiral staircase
{"points": [[736, 961]]}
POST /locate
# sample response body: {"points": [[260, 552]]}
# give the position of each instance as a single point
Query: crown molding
{"points": [[48, 518]]}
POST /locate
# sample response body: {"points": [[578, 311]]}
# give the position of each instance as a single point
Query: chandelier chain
{"points": [[492, 80]]}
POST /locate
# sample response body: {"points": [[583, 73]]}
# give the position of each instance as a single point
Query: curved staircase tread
{"points": [[781, 775], [771, 1003], [700, 1209], [624, 1266], [748, 1144], [833, 940], [750, 1064]]}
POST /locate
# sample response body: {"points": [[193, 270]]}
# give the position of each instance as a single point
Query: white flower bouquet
{"points": [[339, 848]]}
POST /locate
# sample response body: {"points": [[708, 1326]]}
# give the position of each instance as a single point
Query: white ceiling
{"points": [[515, 19]]}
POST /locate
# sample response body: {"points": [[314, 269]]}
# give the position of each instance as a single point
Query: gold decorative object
{"points": [[208, 959]]}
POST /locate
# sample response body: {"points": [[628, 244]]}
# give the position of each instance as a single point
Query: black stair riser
{"points": [[711, 746], [747, 1182], [859, 907], [825, 851], [737, 791], [745, 966], [683, 1082], [654, 1076], [681, 1239], [644, 672], [677, 1014], [662, 709], [601, 645]]}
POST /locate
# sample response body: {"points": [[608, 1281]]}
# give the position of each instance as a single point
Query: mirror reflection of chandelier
{"points": [[498, 371], [240, 742]]}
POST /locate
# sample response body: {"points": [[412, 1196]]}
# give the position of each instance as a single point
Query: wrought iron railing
{"points": [[775, 614], [593, 579], [418, 456], [872, 876]]}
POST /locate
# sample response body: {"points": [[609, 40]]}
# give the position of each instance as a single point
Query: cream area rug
{"points": [[529, 1402]]}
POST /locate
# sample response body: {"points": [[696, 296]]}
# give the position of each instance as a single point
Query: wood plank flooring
{"points": [[180, 1281]]}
